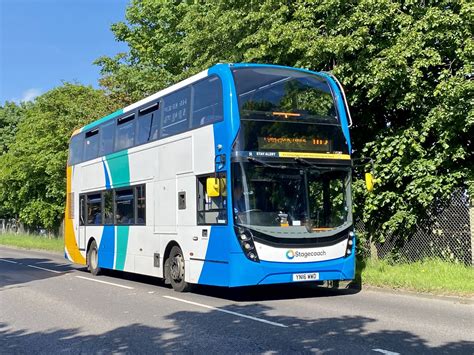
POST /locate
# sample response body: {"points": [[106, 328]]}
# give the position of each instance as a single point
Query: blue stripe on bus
{"points": [[107, 248], [106, 174]]}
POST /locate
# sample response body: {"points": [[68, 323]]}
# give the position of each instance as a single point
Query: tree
{"points": [[10, 116], [33, 171], [405, 67]]}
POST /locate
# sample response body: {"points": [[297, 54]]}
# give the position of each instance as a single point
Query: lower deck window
{"points": [[124, 206]]}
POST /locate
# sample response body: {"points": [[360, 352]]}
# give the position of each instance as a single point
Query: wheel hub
{"points": [[177, 268]]}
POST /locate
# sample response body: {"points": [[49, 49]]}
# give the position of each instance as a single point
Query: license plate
{"points": [[309, 276]]}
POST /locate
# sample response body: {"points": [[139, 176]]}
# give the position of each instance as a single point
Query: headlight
{"points": [[244, 236]]}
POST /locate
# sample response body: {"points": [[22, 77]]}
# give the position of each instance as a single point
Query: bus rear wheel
{"points": [[175, 264], [93, 259]]}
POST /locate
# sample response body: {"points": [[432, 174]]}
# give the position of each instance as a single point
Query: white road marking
{"points": [[105, 282], [386, 352], [9, 261], [229, 312], [44, 269]]}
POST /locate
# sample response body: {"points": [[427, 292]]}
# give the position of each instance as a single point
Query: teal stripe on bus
{"points": [[119, 167], [122, 244], [101, 120]]}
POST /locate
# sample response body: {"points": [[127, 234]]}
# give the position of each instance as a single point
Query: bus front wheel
{"points": [[93, 259], [175, 265]]}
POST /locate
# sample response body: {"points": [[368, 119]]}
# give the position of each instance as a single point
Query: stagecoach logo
{"points": [[291, 254]]}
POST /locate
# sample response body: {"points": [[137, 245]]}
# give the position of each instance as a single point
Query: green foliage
{"points": [[404, 66], [10, 116], [33, 171]]}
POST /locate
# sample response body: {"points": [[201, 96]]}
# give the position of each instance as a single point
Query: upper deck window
{"points": [[284, 95], [91, 149], [75, 149], [125, 133], [176, 112], [207, 101]]}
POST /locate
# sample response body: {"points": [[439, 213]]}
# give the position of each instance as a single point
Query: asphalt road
{"points": [[48, 306]]}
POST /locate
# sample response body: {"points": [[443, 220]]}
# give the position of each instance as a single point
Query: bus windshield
{"points": [[284, 94], [291, 201]]}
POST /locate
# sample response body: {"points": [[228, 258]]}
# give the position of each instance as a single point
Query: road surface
{"points": [[49, 306]]}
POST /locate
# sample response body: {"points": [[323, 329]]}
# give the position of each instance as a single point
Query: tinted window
{"points": [[283, 94], [140, 204], [91, 146], [108, 207], [155, 126], [75, 149], [107, 138], [94, 209], [176, 112], [143, 129], [82, 207], [207, 101], [124, 210], [125, 133]]}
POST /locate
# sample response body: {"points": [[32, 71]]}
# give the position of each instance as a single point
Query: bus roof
{"points": [[173, 88]]}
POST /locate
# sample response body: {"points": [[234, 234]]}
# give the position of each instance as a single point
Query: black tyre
{"points": [[175, 270], [93, 259]]}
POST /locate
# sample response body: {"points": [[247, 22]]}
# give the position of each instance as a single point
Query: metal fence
{"points": [[446, 233]]}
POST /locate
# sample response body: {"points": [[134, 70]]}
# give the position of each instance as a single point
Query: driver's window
{"points": [[211, 205]]}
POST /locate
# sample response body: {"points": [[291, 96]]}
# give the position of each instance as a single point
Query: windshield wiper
{"points": [[318, 167], [261, 162]]}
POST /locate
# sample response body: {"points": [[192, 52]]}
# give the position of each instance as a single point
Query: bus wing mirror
{"points": [[216, 187], [369, 182], [212, 187]]}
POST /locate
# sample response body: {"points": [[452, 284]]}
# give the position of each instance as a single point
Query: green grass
{"points": [[431, 276], [32, 242]]}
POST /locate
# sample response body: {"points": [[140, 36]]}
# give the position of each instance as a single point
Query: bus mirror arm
{"points": [[219, 163]]}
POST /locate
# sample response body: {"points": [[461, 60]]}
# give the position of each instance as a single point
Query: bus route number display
{"points": [[295, 144]]}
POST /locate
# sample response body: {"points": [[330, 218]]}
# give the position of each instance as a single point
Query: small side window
{"points": [[125, 132], [82, 208], [207, 101], [212, 200], [176, 112], [141, 204], [124, 210], [106, 138], [108, 207], [91, 146], [75, 149], [143, 128], [94, 209]]}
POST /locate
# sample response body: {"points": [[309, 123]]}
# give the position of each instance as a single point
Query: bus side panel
{"points": [[71, 221]]}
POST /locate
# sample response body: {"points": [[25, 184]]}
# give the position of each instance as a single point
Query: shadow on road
{"points": [[244, 294], [15, 271], [212, 331]]}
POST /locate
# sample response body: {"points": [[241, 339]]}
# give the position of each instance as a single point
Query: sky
{"points": [[46, 42]]}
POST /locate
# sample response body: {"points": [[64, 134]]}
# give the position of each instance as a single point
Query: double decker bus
{"points": [[239, 175]]}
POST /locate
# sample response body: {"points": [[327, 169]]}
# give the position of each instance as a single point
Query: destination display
{"points": [[301, 144]]}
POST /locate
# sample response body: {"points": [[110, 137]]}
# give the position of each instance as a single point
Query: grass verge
{"points": [[431, 276], [32, 242]]}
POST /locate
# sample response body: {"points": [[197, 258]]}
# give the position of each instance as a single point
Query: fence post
{"points": [[471, 223]]}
